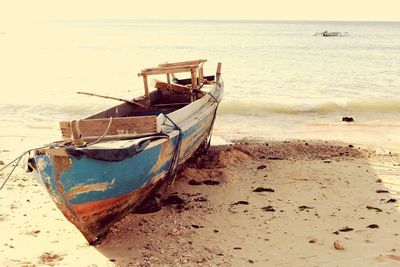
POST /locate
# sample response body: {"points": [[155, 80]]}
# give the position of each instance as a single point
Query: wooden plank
{"points": [[174, 87], [191, 62], [119, 126], [171, 104], [166, 70], [218, 74]]}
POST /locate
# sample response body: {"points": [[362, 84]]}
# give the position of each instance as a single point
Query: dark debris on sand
{"points": [[263, 189], [268, 208], [210, 182], [240, 202]]}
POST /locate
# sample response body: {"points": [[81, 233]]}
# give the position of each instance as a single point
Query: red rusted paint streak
{"points": [[60, 164], [99, 206], [98, 216]]}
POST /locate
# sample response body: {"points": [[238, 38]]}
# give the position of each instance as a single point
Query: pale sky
{"points": [[370, 10]]}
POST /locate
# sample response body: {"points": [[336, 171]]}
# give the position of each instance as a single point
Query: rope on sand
{"points": [[17, 159]]}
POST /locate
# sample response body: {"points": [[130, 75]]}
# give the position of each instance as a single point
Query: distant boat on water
{"points": [[331, 34]]}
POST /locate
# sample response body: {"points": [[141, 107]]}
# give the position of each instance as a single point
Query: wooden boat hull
{"points": [[94, 194]]}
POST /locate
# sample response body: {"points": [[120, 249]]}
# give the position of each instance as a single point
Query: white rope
{"points": [[101, 137]]}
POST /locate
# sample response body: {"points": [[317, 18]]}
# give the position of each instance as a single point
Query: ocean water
{"points": [[281, 81]]}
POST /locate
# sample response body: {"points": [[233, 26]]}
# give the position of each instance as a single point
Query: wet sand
{"points": [[289, 203]]}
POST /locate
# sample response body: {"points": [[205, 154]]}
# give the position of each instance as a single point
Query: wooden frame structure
{"points": [[120, 123], [195, 67]]}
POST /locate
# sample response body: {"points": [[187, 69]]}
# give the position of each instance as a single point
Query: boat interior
{"points": [[138, 116]]}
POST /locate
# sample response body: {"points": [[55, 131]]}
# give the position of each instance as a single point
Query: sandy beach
{"points": [[252, 203]]}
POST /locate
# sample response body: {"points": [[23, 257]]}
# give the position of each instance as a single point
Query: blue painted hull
{"points": [[94, 194]]}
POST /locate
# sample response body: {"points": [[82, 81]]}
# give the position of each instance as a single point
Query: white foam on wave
{"points": [[261, 107]]}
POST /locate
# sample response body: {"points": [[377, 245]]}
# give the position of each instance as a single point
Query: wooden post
{"points": [[76, 136], [218, 74], [193, 73], [201, 75], [194, 78], [169, 80], [146, 86]]}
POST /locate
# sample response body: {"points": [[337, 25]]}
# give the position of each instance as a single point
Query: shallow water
{"points": [[281, 81]]}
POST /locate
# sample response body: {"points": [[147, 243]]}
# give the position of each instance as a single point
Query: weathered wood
{"points": [[75, 133], [174, 87], [114, 98], [118, 126], [146, 86], [218, 74], [201, 75], [191, 62], [166, 70], [171, 104], [168, 80], [206, 79], [194, 79]]}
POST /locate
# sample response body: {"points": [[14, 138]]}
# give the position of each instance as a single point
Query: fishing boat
{"points": [[331, 34], [108, 163]]}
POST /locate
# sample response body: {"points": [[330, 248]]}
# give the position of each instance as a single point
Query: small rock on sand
{"points": [[338, 245], [173, 232]]}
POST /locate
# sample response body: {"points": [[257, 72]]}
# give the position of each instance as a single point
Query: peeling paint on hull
{"points": [[94, 194]]}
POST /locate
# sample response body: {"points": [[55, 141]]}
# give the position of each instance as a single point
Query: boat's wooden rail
{"points": [[92, 128]]}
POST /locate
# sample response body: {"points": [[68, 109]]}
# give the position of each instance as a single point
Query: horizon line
{"points": [[208, 20]]}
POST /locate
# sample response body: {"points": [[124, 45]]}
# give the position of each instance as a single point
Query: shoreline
{"points": [[310, 204]]}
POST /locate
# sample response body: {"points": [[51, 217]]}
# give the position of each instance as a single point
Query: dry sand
{"points": [[292, 203]]}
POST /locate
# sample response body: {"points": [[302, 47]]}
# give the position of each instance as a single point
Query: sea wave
{"points": [[46, 112], [260, 107]]}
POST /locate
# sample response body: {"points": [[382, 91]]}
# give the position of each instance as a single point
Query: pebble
{"points": [[338, 245], [174, 232]]}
